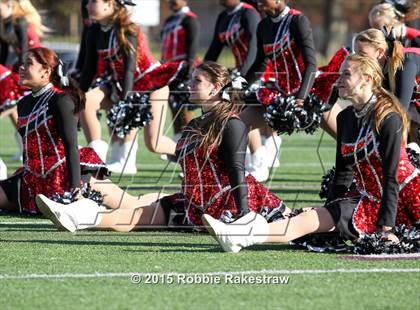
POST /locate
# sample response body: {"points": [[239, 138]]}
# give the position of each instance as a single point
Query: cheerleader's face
{"points": [[100, 10], [378, 21], [202, 91], [367, 50], [351, 80], [32, 74], [6, 9], [176, 5], [230, 4], [271, 8]]}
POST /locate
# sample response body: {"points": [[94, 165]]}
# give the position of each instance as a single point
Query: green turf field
{"points": [[46, 269]]}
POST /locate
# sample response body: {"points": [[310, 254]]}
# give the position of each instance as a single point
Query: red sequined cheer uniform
{"points": [[52, 162], [214, 182], [388, 185]]}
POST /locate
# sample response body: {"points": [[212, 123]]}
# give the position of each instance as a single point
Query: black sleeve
{"points": [[301, 31], [63, 114], [192, 29], [7, 37], [415, 42], [250, 21], [21, 29], [405, 79], [232, 150], [91, 58], [130, 62], [343, 171], [82, 49], [260, 63], [390, 136], [216, 45]]}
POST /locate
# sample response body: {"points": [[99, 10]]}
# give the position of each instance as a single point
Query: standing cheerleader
{"points": [[180, 38], [391, 14], [47, 122], [20, 30], [236, 28], [371, 139], [285, 42], [211, 152], [117, 48]]}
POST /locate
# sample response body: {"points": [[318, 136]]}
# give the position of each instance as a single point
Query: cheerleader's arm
{"points": [[343, 176], [192, 29], [216, 45], [130, 62], [301, 31], [251, 20], [390, 136], [66, 122], [232, 150]]}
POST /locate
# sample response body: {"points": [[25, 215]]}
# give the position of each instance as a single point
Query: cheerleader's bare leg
{"points": [[126, 220], [117, 198], [154, 137]]}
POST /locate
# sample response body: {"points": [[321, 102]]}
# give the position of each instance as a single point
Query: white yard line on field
{"points": [[217, 273]]}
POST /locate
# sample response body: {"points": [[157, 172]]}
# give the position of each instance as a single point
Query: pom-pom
{"points": [[180, 96], [133, 112], [285, 116], [409, 242], [414, 157], [327, 183], [86, 192]]}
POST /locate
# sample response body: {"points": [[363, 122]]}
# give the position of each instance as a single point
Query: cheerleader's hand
{"points": [[300, 103], [388, 235], [76, 193]]}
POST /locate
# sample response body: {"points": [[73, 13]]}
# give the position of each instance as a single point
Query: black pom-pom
{"points": [[180, 96], [414, 157], [285, 116], [327, 182], [86, 191], [409, 242], [133, 112]]}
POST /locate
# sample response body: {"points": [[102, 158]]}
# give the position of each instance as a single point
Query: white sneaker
{"points": [[81, 214], [126, 164], [3, 170], [272, 145], [56, 212], [100, 147], [246, 231]]}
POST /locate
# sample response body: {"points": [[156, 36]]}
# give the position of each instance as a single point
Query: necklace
{"points": [[42, 90], [367, 107]]}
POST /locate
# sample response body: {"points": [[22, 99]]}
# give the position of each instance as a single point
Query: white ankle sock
{"points": [[85, 213], [100, 147]]}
